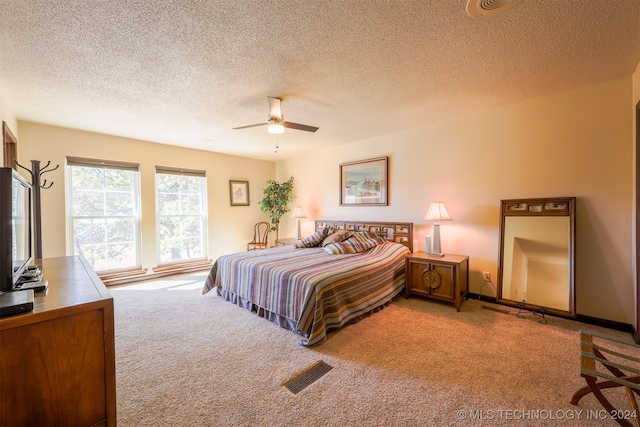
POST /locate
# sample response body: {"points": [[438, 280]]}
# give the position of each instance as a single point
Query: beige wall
{"points": [[575, 143], [230, 228]]}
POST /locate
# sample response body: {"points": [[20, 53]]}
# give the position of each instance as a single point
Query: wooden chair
{"points": [[590, 353], [260, 236]]}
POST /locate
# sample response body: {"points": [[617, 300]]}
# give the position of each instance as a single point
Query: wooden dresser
{"points": [[57, 363]]}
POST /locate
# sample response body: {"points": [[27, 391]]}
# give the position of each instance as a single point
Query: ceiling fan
{"points": [[276, 122]]}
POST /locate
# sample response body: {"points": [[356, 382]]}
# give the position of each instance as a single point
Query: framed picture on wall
{"points": [[364, 183], [239, 193]]}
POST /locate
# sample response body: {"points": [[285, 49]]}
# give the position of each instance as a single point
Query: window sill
{"points": [[161, 271]]}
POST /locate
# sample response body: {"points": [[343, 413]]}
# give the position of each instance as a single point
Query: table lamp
{"points": [[298, 214], [437, 212]]}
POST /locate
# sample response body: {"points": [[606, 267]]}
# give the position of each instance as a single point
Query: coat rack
{"points": [[37, 183]]}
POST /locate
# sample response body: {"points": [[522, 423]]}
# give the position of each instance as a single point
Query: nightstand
{"points": [[444, 278], [285, 241]]}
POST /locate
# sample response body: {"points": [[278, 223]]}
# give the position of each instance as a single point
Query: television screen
{"points": [[15, 227], [21, 230]]}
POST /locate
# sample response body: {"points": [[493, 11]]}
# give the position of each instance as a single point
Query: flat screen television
{"points": [[15, 227]]}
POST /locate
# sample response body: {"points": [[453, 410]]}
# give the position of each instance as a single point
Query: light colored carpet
{"points": [[183, 359]]}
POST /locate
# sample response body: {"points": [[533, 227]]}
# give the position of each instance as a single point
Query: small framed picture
{"points": [[239, 193], [364, 183]]}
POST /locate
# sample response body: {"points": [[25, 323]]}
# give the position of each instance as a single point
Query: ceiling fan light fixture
{"points": [[276, 126], [275, 120]]}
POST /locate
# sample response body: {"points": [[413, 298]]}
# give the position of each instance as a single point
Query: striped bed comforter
{"points": [[307, 290]]}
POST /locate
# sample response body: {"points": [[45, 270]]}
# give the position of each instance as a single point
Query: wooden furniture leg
{"points": [[591, 353], [633, 402]]}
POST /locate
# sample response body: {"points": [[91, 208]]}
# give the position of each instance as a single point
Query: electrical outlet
{"points": [[486, 275]]}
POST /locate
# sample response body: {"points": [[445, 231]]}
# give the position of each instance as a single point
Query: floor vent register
{"points": [[308, 377]]}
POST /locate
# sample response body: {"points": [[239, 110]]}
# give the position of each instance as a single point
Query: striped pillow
{"points": [[312, 241], [358, 242], [336, 235]]}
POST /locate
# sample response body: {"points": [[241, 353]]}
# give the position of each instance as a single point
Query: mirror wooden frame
{"points": [[543, 207]]}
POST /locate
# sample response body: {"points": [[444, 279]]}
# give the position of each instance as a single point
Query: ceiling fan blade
{"points": [[275, 112], [298, 126], [275, 109], [251, 126]]}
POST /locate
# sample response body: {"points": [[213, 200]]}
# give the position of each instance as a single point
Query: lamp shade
{"points": [[298, 213], [438, 212]]}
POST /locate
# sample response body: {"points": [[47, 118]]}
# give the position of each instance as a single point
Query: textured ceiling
{"points": [[186, 72]]}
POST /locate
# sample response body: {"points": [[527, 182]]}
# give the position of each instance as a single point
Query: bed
{"points": [[311, 292]]}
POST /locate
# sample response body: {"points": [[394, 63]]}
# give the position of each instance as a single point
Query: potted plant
{"points": [[276, 199]]}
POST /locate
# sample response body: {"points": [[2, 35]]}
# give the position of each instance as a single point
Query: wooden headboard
{"points": [[399, 232]]}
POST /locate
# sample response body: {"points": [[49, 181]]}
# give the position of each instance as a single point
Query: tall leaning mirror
{"points": [[536, 270]]}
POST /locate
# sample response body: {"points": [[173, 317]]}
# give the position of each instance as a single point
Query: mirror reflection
{"points": [[536, 255]]}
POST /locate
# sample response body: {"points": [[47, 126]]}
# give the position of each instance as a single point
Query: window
{"points": [[181, 214], [103, 213]]}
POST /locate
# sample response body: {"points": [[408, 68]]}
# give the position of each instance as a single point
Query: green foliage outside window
{"points": [[104, 216], [181, 224]]}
